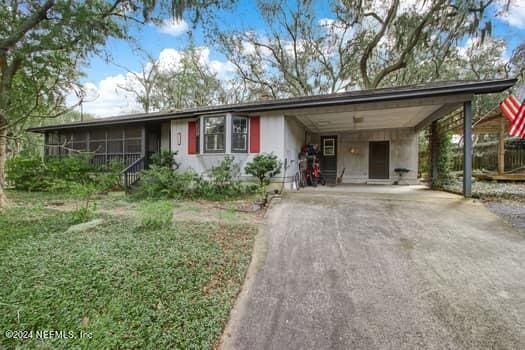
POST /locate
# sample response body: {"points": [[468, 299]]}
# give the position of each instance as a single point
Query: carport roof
{"points": [[434, 89]]}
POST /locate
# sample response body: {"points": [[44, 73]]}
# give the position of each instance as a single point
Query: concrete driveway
{"points": [[375, 267]]}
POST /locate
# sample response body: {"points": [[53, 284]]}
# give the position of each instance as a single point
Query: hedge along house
{"points": [[368, 133]]}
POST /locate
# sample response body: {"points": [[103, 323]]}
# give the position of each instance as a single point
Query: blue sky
{"points": [[102, 78]]}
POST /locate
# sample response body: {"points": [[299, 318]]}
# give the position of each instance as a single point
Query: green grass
{"points": [[131, 285]]}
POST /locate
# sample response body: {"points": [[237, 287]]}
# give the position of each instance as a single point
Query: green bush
{"points": [[444, 161], [263, 167], [156, 215], [160, 182], [165, 159], [28, 172], [86, 209], [223, 181]]}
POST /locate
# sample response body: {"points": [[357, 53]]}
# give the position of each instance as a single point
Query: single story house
{"points": [[369, 133]]}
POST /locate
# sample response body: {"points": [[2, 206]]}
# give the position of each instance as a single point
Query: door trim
{"points": [[330, 175]]}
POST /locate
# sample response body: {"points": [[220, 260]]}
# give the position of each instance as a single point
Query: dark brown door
{"points": [[378, 160], [328, 158], [153, 140]]}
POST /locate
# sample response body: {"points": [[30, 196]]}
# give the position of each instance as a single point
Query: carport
{"points": [[397, 114]]}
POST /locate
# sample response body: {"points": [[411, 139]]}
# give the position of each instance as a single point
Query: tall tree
{"points": [[44, 42], [142, 83], [186, 81], [365, 43]]}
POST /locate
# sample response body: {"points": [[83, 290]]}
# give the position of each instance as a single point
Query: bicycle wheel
{"points": [[302, 182], [296, 181]]}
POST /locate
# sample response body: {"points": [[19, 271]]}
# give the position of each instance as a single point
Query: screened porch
{"points": [[105, 144]]}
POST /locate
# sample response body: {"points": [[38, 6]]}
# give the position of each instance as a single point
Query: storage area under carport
{"points": [[377, 140]]}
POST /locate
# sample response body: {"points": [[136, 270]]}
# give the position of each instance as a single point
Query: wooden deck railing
{"points": [[131, 174]]}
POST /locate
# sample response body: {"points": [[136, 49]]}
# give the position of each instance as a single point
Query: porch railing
{"points": [[131, 174], [104, 159]]}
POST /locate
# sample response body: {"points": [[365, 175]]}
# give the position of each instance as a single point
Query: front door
{"points": [[328, 158], [153, 141], [378, 160]]}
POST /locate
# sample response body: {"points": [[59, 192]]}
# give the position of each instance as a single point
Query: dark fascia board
{"points": [[354, 97]]}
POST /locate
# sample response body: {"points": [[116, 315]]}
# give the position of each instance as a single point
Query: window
{"points": [[239, 134], [328, 147], [197, 137], [214, 128]]}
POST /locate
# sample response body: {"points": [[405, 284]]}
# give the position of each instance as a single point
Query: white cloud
{"points": [[515, 15], [173, 27], [169, 59], [108, 98]]}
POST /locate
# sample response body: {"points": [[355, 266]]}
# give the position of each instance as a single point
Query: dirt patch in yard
{"points": [[234, 212]]}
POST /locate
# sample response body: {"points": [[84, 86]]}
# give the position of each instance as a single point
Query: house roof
{"points": [[433, 89]]}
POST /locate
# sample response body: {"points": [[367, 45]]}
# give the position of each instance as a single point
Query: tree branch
{"points": [[363, 62], [29, 23]]}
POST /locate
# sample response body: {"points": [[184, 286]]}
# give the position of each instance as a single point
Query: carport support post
{"points": [[434, 152], [467, 149]]}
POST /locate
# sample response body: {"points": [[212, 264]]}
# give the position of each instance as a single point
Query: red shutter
{"points": [[255, 134], [192, 138]]}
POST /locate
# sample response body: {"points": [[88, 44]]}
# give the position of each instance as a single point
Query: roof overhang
{"points": [[416, 113], [424, 103]]}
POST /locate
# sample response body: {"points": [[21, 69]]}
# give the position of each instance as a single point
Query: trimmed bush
{"points": [[264, 166]]}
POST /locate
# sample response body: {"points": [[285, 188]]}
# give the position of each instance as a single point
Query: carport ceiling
{"points": [[416, 113], [366, 120]]}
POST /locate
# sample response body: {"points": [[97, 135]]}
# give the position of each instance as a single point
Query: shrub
{"points": [[263, 167], [223, 181], [156, 215], [165, 159], [444, 161], [160, 182], [108, 177], [26, 173], [29, 173]]}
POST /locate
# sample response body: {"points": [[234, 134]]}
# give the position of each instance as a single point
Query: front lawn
{"points": [[130, 283]]}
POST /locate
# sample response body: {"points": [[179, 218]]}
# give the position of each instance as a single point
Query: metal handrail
{"points": [[131, 173]]}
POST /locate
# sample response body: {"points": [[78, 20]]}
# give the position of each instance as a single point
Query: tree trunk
{"points": [[3, 157]]}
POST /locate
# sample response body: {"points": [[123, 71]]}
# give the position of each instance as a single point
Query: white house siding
{"points": [[271, 140], [403, 154], [284, 136], [294, 139]]}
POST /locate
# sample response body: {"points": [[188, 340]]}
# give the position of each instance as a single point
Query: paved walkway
{"points": [[377, 267]]}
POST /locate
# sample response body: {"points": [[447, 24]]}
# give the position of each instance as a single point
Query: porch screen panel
{"points": [[115, 145], [132, 144], [79, 141], [53, 144], [98, 145]]}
